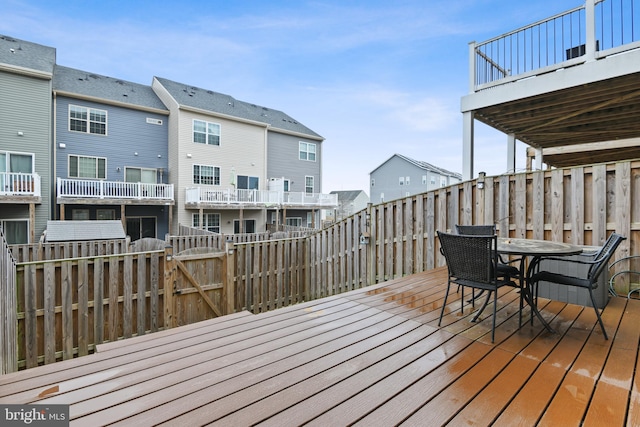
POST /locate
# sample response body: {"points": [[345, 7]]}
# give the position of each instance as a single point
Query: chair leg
{"points": [[493, 326], [486, 301], [593, 302], [444, 304]]}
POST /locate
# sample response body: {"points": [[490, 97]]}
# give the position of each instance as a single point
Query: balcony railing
{"points": [[599, 28], [19, 184], [261, 198], [92, 189]]}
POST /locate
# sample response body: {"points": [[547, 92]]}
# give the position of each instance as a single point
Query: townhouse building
{"points": [[400, 176], [26, 71], [111, 144], [237, 166]]}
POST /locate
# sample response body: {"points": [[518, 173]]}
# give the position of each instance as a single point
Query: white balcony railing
{"points": [[197, 195], [19, 184], [79, 188]]}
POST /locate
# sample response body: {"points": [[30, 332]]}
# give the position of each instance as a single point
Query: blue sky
{"points": [[372, 77]]}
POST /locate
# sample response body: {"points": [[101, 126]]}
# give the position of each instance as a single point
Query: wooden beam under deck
{"points": [[373, 356]]}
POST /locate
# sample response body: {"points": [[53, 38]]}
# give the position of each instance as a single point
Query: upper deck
{"points": [[572, 78]]}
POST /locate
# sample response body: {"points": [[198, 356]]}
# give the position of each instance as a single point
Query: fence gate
{"points": [[199, 278]]}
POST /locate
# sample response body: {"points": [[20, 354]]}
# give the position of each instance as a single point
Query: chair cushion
{"points": [[508, 270]]}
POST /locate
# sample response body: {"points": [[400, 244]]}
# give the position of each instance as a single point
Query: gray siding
{"points": [[283, 161], [127, 133], [25, 106]]}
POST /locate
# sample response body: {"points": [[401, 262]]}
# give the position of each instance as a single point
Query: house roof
{"points": [[73, 82], [63, 231], [27, 55], [347, 195], [208, 100], [422, 165]]}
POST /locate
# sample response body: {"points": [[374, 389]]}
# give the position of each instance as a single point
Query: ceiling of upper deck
{"points": [[606, 110]]}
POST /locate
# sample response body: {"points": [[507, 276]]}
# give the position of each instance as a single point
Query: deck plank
{"points": [[372, 356]]}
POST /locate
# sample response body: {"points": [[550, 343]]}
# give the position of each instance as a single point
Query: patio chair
{"points": [[471, 261], [504, 269], [597, 265]]}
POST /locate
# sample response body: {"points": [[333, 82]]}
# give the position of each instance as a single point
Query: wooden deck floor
{"points": [[368, 357]]}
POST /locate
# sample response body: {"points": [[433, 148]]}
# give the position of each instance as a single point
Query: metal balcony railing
{"points": [[19, 184], [599, 28], [266, 198], [79, 188]]}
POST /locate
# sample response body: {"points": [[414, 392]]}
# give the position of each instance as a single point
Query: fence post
{"points": [[169, 278], [228, 290], [370, 222]]}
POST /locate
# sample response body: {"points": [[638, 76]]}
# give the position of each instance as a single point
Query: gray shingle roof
{"points": [[63, 231], [347, 195], [423, 165], [20, 53], [83, 83], [208, 100]]}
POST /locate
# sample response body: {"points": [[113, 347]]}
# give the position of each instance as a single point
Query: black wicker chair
{"points": [[597, 265], [472, 262], [504, 269]]}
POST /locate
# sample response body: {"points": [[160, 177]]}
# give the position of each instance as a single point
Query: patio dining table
{"points": [[534, 249]]}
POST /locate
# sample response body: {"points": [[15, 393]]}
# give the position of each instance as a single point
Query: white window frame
{"points": [[308, 178], [373, 182], [433, 179], [80, 214], [212, 132], [307, 151], [88, 119], [309, 219], [77, 160], [250, 180], [7, 159], [209, 220], [424, 179], [215, 177], [443, 181], [105, 214], [401, 180], [407, 180]]}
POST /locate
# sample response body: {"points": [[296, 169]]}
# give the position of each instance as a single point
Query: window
{"points": [[106, 214], [16, 163], [373, 182], [248, 226], [206, 133], [16, 231], [294, 221], [443, 181], [210, 222], [433, 179], [381, 197], [140, 227], [424, 179], [308, 184], [208, 175], [80, 214], [147, 176], [308, 151], [309, 219], [407, 180], [248, 182], [87, 167], [87, 120], [287, 185], [401, 180]]}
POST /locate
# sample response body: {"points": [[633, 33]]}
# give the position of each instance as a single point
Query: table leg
{"points": [[527, 295]]}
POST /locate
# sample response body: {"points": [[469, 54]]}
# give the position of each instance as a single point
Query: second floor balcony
{"points": [[113, 192], [256, 199], [18, 187]]}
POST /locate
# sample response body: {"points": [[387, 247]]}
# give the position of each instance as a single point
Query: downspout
{"points": [[54, 159]]}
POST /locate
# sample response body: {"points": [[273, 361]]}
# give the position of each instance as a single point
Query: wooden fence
{"points": [[8, 309], [579, 205], [111, 296]]}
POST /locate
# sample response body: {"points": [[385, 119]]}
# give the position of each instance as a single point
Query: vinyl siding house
{"points": [[349, 202], [218, 156], [399, 176], [111, 151], [26, 71]]}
